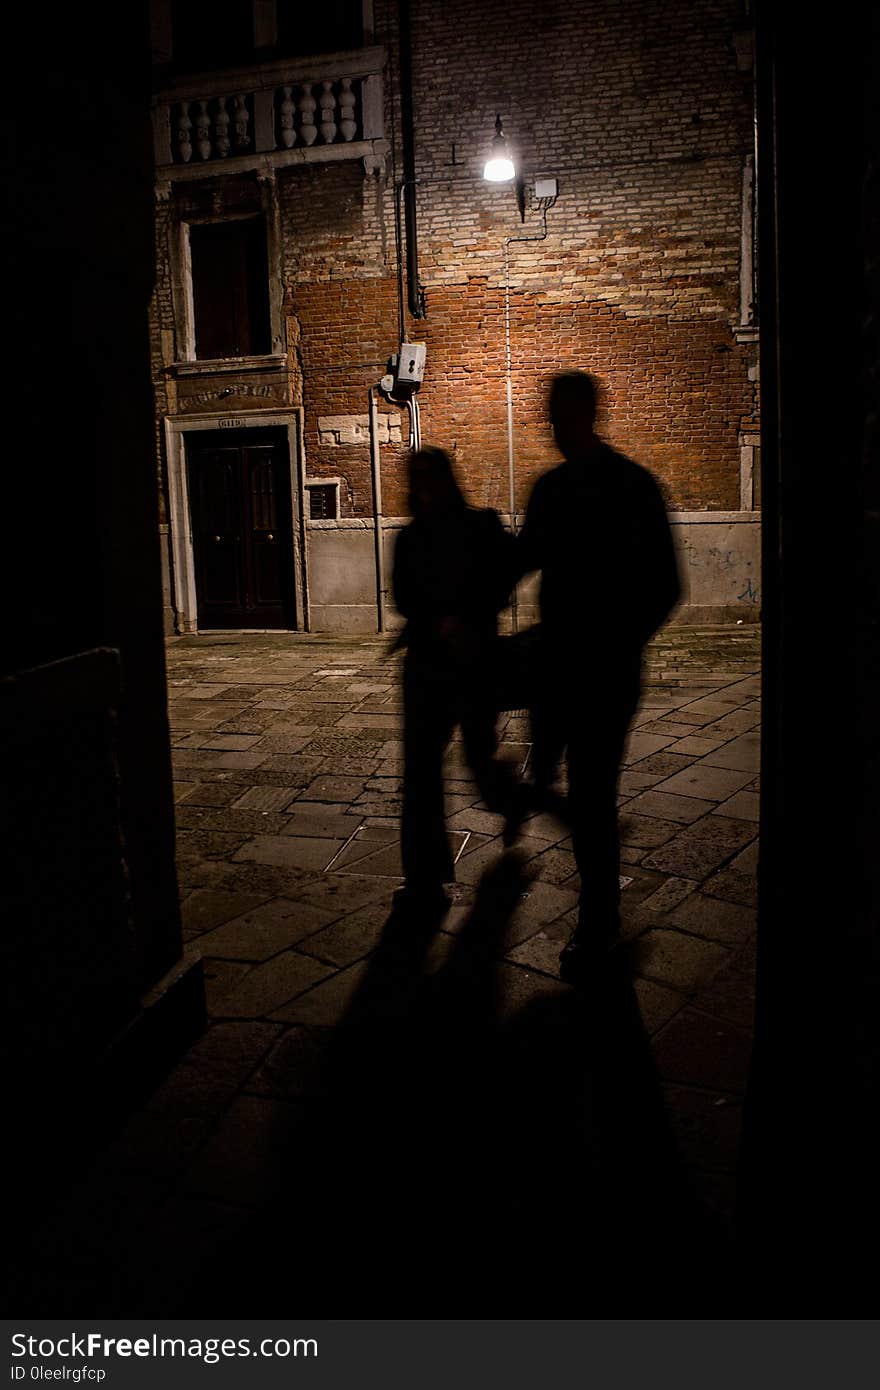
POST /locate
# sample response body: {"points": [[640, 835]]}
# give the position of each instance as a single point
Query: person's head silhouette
{"points": [[433, 489], [572, 407]]}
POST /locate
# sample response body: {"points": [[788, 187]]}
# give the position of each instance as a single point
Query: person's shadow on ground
{"points": [[464, 1158]]}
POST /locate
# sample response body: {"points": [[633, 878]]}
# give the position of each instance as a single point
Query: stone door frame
{"points": [[183, 574]]}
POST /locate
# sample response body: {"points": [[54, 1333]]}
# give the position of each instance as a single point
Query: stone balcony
{"points": [[318, 109]]}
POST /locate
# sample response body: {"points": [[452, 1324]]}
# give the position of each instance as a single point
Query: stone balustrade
{"points": [[305, 106]]}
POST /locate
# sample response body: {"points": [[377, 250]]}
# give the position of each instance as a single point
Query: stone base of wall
{"points": [[719, 555]]}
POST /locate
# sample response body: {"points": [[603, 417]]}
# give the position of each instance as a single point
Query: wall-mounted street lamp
{"points": [[499, 167]]}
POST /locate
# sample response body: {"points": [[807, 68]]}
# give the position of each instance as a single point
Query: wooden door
{"points": [[242, 529]]}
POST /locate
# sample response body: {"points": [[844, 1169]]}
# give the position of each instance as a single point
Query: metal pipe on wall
{"points": [[376, 471], [508, 360], [416, 301]]}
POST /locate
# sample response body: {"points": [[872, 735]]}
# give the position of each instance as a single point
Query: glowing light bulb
{"points": [[499, 167]]}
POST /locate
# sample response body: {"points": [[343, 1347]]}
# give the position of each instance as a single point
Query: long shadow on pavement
{"points": [[460, 1159]]}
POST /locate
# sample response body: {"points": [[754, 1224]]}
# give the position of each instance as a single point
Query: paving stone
{"points": [[221, 978], [698, 849], [231, 743], [540, 904], [733, 725], [674, 728], [186, 689], [657, 1003], [265, 931], [295, 851], [363, 768], [344, 893], [351, 938], [264, 798], [284, 745], [234, 1048], [371, 804], [546, 827], [668, 895], [675, 959], [205, 908], [644, 831], [731, 995], [475, 861], [295, 1068], [630, 855], [715, 706], [540, 953], [743, 805], [668, 806], [334, 789], [207, 844], [216, 794], [695, 745], [639, 745], [269, 986], [371, 721], [326, 1003], [247, 1160], [368, 837], [705, 781], [226, 819], [282, 770], [632, 781], [383, 860], [472, 819], [517, 987], [661, 765], [742, 754], [318, 819], [554, 865], [344, 747], [392, 752], [697, 1050], [736, 883], [232, 760], [714, 919], [390, 786]]}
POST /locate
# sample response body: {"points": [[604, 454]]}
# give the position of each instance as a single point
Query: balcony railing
{"points": [[307, 107]]}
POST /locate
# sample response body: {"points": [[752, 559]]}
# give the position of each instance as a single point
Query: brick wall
{"points": [[644, 116]]}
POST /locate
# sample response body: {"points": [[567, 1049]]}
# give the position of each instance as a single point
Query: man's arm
{"points": [[401, 575], [660, 581], [528, 546]]}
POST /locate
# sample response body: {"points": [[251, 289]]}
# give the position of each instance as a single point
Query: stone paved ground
{"points": [[435, 1093]]}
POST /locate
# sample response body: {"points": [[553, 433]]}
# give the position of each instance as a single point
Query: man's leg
{"points": [[478, 718], [595, 749]]}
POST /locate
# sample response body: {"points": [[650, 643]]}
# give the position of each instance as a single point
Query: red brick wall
{"points": [[640, 112]]}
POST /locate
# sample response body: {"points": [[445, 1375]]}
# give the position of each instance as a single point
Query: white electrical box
{"points": [[411, 363], [546, 188]]}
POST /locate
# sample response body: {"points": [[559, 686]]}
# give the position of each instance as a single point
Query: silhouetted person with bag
{"points": [[452, 576], [596, 528]]}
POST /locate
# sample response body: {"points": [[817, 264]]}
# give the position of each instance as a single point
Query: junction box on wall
{"points": [[411, 364]]}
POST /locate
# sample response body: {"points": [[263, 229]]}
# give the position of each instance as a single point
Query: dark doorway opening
{"points": [[242, 529]]}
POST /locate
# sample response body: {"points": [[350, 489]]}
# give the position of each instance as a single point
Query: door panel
{"points": [[242, 530]]}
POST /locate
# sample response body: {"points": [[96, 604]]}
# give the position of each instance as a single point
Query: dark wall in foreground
{"points": [[91, 899], [809, 1191]]}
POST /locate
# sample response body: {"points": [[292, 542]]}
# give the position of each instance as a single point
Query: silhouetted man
{"points": [[452, 575], [597, 530]]}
